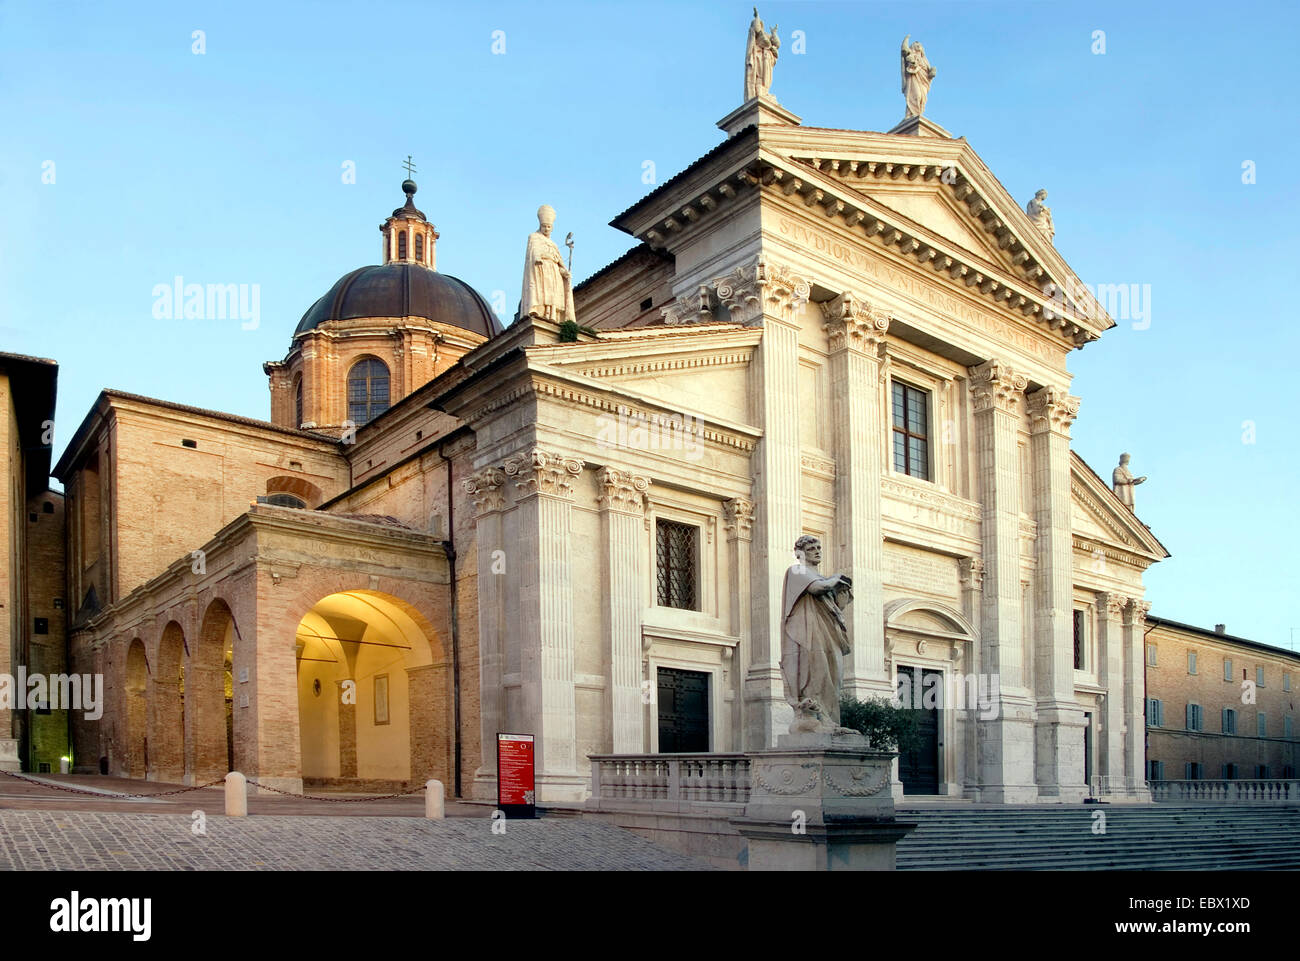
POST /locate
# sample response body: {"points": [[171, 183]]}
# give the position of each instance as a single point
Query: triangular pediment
{"points": [[1098, 515], [929, 206]]}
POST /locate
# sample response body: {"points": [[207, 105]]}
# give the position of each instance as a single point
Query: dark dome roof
{"points": [[403, 290]]}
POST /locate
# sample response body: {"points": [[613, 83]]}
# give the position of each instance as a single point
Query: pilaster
{"points": [[1006, 748], [738, 521], [486, 490], [770, 296], [1110, 673], [855, 334], [1135, 740], [1058, 728], [621, 500], [543, 482]]}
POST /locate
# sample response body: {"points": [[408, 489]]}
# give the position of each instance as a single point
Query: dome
{"points": [[403, 290]]}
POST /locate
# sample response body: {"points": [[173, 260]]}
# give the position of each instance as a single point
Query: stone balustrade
{"points": [[1255, 791], [670, 779]]}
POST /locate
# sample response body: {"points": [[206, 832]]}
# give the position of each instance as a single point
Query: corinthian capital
{"points": [[1111, 605], [538, 471], [485, 488], [1137, 611], [690, 308], [995, 386], [852, 324], [621, 490], [761, 289], [1051, 408]]}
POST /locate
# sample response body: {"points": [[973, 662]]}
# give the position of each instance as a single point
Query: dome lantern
{"points": [[409, 238]]}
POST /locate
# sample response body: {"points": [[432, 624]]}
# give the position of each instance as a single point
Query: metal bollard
{"points": [[236, 795], [434, 794]]}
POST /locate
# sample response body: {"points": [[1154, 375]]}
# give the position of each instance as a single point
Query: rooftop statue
{"points": [[1041, 214], [760, 58], [1123, 481], [917, 76], [548, 288]]}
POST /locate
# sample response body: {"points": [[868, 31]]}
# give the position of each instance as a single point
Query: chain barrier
{"points": [[113, 795], [338, 800], [199, 787]]}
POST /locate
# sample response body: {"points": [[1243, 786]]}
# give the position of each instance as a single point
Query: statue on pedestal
{"points": [[760, 58], [814, 638], [1041, 214], [917, 76], [1123, 481], [548, 288]]}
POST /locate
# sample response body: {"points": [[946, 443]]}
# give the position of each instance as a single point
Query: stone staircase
{"points": [[1147, 837]]}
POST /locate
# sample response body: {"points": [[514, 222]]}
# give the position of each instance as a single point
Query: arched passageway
{"points": [[167, 734], [373, 692], [209, 695]]}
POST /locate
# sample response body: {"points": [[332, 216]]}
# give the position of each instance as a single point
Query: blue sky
{"points": [[226, 167]]}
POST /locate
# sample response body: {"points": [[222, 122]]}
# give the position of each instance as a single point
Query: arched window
{"points": [[367, 390], [419, 248], [297, 401], [401, 245]]}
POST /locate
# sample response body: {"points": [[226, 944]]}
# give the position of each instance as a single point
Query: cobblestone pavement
{"points": [[93, 840]]}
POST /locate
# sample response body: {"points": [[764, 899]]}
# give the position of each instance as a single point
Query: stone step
{"points": [[1137, 838]]}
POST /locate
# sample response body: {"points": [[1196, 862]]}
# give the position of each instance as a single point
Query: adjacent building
{"points": [[1219, 707]]}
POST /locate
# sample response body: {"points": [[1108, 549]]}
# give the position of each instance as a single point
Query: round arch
{"points": [[373, 692], [209, 695], [167, 735]]}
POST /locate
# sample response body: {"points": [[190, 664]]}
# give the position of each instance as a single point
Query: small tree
{"points": [[887, 727]]}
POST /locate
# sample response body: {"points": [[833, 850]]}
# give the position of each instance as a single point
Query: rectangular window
{"points": [[1261, 724], [1192, 771], [1229, 772], [1155, 770], [1286, 682], [1193, 717], [1288, 727], [1259, 677], [41, 626], [1227, 669], [1155, 712], [911, 431], [1080, 639], [677, 552], [1229, 721], [1261, 772], [1191, 662], [1151, 655]]}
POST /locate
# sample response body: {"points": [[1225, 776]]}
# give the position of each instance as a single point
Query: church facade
{"points": [[450, 529]]}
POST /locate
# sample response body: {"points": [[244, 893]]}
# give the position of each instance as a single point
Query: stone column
{"points": [[1135, 743], [971, 573], [1006, 749], [485, 487], [769, 296], [1058, 729], [856, 335], [1110, 673], [738, 519], [544, 489], [622, 508]]}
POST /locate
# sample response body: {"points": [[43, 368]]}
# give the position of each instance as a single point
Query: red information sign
{"points": [[515, 785]]}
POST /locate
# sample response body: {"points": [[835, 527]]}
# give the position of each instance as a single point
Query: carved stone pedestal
{"points": [[9, 755], [821, 802]]}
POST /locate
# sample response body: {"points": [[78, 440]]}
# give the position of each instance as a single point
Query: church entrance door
{"points": [[918, 768], [683, 711]]}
